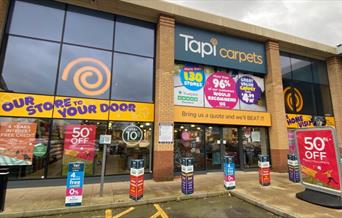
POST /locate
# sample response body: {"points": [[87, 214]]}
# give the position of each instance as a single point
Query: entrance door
{"points": [[230, 143], [221, 141], [213, 148]]}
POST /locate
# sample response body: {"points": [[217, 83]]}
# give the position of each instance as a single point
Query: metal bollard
{"points": [[4, 172], [293, 168], [264, 170], [229, 172], [136, 188], [187, 164]]}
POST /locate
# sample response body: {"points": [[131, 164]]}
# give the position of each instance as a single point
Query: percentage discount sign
{"points": [[220, 91]]}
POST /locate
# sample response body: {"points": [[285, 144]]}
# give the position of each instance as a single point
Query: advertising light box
{"points": [[319, 159]]}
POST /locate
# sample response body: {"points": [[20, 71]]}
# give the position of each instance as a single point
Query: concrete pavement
{"points": [[279, 197]]}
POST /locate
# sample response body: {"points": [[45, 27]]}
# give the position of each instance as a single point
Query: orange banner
{"points": [[219, 116]]}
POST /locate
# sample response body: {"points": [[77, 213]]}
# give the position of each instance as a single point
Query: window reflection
{"points": [[132, 71], [90, 64], [89, 28], [133, 36], [30, 66], [39, 19]]}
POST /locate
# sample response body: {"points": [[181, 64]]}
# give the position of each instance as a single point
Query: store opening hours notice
{"points": [[319, 159]]}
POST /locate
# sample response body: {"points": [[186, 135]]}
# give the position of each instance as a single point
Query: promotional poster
{"points": [[202, 86], [79, 145], [74, 185], [17, 141], [318, 157]]}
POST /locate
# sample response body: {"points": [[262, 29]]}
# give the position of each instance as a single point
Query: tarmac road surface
{"points": [[216, 207]]}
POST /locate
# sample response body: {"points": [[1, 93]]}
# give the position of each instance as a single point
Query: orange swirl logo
{"points": [[298, 96], [89, 67]]}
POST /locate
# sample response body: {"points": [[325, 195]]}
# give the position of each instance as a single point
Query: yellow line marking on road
{"points": [[160, 212], [124, 212]]}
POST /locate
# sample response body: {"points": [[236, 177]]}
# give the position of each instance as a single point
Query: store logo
{"points": [[288, 94], [210, 48], [86, 68], [202, 48]]}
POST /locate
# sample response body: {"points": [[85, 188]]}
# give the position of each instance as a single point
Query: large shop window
{"points": [[23, 146], [189, 142], [65, 133], [91, 42], [306, 87]]}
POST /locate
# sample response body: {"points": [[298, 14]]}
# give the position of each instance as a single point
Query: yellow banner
{"points": [[27, 105], [308, 121], [77, 108], [128, 111], [219, 116]]}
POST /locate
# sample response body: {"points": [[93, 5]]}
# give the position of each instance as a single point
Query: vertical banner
{"points": [[136, 187], [17, 141], [79, 145], [229, 172], [264, 170], [187, 175], [74, 185], [319, 159]]}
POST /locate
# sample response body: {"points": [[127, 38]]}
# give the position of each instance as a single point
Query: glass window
{"points": [[84, 72], [253, 143], [320, 74], [121, 151], [66, 146], [23, 146], [288, 96], [132, 71], [89, 28], [323, 100], [133, 36], [189, 142], [30, 66], [285, 67], [303, 98], [40, 19], [301, 70]]}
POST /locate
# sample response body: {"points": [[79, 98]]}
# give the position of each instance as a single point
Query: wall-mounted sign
{"points": [[220, 116], [17, 143], [319, 159], [165, 133], [27, 105], [132, 135], [105, 139], [308, 121], [220, 91], [204, 47]]}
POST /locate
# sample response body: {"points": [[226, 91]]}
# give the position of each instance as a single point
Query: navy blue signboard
{"points": [[74, 186], [204, 47]]}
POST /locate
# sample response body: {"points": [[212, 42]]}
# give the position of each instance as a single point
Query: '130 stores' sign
{"points": [[199, 46]]}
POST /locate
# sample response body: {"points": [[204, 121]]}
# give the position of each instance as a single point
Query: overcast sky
{"points": [[318, 20]]}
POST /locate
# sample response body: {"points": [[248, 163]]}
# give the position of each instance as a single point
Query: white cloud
{"points": [[315, 20]]}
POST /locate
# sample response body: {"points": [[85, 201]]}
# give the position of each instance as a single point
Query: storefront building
{"points": [[164, 81]]}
